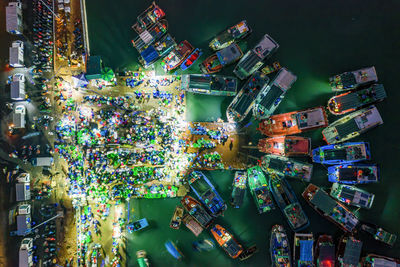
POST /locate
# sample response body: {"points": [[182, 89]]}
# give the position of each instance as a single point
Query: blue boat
{"points": [[341, 153], [353, 174], [203, 245], [173, 250], [207, 194], [138, 225], [286, 200], [191, 59]]}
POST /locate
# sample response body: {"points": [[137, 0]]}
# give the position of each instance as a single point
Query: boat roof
{"points": [[311, 118], [232, 247], [265, 47], [209, 82], [352, 252], [352, 174], [306, 250], [323, 201], [284, 79], [355, 196], [327, 252], [365, 75], [229, 54]]}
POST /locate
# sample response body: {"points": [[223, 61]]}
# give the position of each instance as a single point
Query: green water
{"points": [[317, 39]]}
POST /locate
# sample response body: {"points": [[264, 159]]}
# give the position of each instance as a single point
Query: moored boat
{"points": [[353, 79], [286, 200], [254, 58], [152, 34], [220, 59], [352, 125], [192, 224], [349, 251], [244, 100], [194, 56], [209, 84], [148, 17], [287, 166], [329, 208], [259, 189], [303, 254], [352, 195], [207, 193], [226, 241], [294, 122], [373, 260], [248, 252], [239, 188], [354, 174], [157, 50], [286, 146], [142, 259], [195, 209], [203, 245], [271, 68], [271, 96], [378, 233], [176, 219], [342, 153], [279, 247], [353, 100], [173, 250], [177, 56], [325, 251], [138, 225], [234, 33]]}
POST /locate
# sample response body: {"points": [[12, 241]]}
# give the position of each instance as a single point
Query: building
{"points": [[93, 68], [22, 191], [14, 18], [16, 59], [18, 117], [23, 224], [17, 87], [25, 252], [42, 161]]}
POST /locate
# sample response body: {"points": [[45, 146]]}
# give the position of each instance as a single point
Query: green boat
{"points": [[259, 189], [142, 259]]}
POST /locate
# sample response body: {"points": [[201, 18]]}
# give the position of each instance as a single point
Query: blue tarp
{"points": [[149, 55], [306, 247]]}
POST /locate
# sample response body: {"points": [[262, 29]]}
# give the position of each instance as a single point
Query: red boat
{"points": [[294, 122], [325, 251], [191, 59], [227, 241], [211, 64], [177, 56], [151, 15], [286, 146]]}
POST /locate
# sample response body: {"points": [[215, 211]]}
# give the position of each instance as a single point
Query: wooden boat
{"points": [[176, 218], [286, 146]]}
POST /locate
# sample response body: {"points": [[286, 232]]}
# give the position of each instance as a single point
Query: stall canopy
{"points": [[79, 80], [107, 74]]}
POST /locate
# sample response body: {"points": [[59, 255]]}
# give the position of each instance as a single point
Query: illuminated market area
{"points": [[123, 146]]}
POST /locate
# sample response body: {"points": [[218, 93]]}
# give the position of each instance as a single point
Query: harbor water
{"points": [[317, 39]]}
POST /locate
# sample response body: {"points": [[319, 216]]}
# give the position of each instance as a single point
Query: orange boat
{"points": [[285, 146], [226, 241], [294, 122]]}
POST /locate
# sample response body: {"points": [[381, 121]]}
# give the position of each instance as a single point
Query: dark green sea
{"points": [[317, 39]]}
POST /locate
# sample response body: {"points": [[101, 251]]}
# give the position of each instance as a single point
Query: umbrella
{"points": [[107, 74], [79, 80]]}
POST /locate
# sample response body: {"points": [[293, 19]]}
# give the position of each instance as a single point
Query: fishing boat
{"points": [[279, 247], [353, 100], [325, 251], [173, 250], [209, 84], [287, 166], [378, 233], [285, 146], [220, 59], [353, 174], [352, 125], [192, 224], [287, 202], [195, 209], [271, 96], [142, 259], [329, 208], [303, 254], [226, 241], [138, 225], [151, 15], [271, 68], [248, 252], [203, 245], [207, 193], [244, 100], [188, 62], [259, 189], [349, 251], [157, 50], [177, 56], [352, 195], [150, 35], [253, 59], [239, 189], [228, 36], [176, 219], [294, 122], [353, 79], [342, 153], [373, 260]]}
